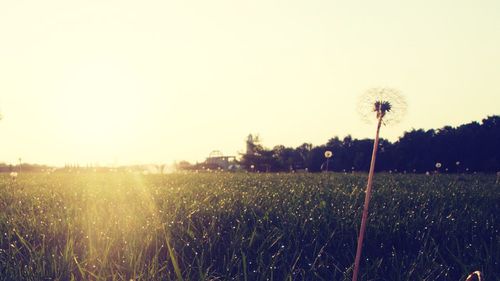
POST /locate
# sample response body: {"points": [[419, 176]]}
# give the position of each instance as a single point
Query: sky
{"points": [[134, 82]]}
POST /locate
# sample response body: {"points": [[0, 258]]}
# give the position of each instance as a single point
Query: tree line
{"points": [[472, 147]]}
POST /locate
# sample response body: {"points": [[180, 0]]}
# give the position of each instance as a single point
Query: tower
{"points": [[250, 145]]}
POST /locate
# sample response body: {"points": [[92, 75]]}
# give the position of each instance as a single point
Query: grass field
{"points": [[120, 226]]}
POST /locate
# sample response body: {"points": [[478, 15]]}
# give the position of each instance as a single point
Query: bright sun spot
{"points": [[100, 104]]}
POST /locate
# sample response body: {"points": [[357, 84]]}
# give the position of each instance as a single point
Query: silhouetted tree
{"points": [[469, 147]]}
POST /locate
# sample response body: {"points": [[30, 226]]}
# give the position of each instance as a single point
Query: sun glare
{"points": [[100, 103]]}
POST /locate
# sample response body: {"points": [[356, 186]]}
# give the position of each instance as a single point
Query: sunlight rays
{"points": [[118, 206]]}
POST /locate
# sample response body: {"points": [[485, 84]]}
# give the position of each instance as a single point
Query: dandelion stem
{"points": [[367, 202]]}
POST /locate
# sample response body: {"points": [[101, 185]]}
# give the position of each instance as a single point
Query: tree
{"points": [[474, 146]]}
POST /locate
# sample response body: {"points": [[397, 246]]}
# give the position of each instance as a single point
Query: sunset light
{"points": [[249, 140], [159, 77]]}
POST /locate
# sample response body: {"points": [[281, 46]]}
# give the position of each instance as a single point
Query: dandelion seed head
{"points": [[328, 154], [385, 103]]}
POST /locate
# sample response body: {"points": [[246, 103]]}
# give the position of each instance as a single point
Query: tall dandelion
{"points": [[385, 106]]}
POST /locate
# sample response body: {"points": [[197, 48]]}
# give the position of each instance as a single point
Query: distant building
{"points": [[216, 160], [250, 145]]}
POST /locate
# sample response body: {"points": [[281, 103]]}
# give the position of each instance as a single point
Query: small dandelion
{"points": [[438, 165], [328, 155]]}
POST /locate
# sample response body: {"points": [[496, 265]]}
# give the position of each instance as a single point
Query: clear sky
{"points": [[156, 81]]}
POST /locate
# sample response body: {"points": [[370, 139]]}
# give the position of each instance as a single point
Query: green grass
{"points": [[117, 226]]}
